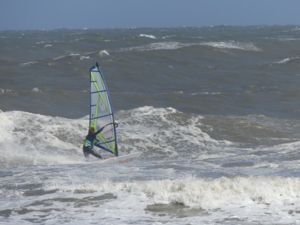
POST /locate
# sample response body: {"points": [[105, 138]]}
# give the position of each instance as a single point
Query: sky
{"points": [[51, 14]]}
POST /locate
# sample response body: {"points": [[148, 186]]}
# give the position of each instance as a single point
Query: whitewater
{"points": [[45, 179], [213, 112]]}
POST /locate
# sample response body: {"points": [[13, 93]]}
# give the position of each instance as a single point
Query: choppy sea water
{"points": [[214, 112]]}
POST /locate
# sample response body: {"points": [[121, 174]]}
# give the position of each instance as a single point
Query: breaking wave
{"points": [[147, 36], [7, 91], [177, 45], [165, 133], [207, 194], [29, 63], [233, 45], [30, 139], [287, 60]]}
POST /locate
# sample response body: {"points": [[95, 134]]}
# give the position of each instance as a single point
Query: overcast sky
{"points": [[49, 14]]}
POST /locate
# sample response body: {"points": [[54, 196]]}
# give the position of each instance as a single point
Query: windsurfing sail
{"points": [[101, 113]]}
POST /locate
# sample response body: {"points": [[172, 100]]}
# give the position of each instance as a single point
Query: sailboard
{"points": [[101, 113], [122, 159]]}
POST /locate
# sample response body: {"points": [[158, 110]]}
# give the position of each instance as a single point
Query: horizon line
{"points": [[147, 27]]}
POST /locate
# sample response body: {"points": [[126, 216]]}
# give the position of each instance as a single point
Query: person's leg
{"points": [[85, 152], [95, 154]]}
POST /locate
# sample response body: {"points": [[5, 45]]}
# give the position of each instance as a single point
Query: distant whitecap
{"points": [[246, 46], [103, 53], [173, 45], [157, 46], [36, 90], [287, 60], [48, 46], [28, 63], [84, 57], [147, 36]]}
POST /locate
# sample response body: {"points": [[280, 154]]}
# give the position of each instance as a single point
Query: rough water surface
{"points": [[213, 111]]}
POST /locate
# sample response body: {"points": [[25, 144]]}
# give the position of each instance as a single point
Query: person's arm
{"points": [[100, 130]]}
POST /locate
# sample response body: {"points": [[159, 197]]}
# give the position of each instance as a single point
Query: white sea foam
{"points": [[72, 55], [155, 188], [29, 63], [103, 53], [36, 90], [158, 46], [6, 128], [48, 46], [163, 132], [283, 61], [288, 39], [7, 91], [287, 60], [147, 36], [154, 131], [236, 200], [59, 57], [84, 57], [248, 195], [36, 139], [160, 131], [206, 93], [40, 42], [168, 36], [245, 46]]}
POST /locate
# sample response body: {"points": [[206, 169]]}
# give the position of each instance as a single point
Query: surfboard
{"points": [[120, 159]]}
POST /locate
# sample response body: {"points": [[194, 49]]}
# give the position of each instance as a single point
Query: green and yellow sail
{"points": [[101, 113]]}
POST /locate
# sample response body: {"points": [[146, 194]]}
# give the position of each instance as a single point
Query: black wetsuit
{"points": [[89, 144]]}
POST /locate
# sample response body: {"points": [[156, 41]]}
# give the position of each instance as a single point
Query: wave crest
{"points": [[173, 45], [201, 193], [147, 36], [288, 60]]}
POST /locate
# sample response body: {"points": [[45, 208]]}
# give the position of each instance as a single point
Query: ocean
{"points": [[214, 112]]}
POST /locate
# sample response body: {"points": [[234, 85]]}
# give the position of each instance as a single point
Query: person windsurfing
{"points": [[101, 113], [88, 143]]}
